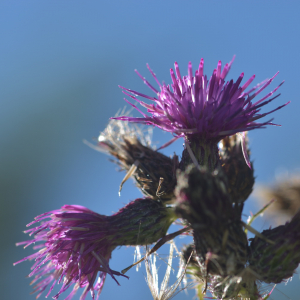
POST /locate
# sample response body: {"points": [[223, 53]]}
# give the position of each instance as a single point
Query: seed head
{"points": [[153, 172]]}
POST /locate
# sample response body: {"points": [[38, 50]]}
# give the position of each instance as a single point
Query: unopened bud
{"points": [[275, 262], [240, 177], [203, 201]]}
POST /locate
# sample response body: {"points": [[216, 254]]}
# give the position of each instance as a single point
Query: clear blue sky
{"points": [[60, 66]]}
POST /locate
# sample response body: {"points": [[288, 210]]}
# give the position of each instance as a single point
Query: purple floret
{"points": [[206, 109], [75, 247]]}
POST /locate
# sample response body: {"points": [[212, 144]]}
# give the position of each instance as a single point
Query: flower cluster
{"points": [[206, 189]]}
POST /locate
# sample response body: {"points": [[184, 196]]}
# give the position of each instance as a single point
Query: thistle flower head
{"points": [[75, 249], [76, 243], [201, 107], [153, 172]]}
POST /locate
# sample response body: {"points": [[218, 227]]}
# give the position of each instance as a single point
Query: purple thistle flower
{"points": [[75, 248], [77, 243], [203, 109]]}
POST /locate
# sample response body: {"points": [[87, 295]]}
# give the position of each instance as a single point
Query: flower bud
{"points": [[275, 262], [240, 177], [203, 201], [153, 172]]}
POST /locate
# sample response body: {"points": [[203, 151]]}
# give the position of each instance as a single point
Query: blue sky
{"points": [[60, 66]]}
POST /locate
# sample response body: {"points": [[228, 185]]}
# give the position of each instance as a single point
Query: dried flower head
{"points": [[286, 192], [201, 107], [76, 243], [153, 172]]}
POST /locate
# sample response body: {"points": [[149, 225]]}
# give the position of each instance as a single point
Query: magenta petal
{"points": [[206, 108], [70, 241]]}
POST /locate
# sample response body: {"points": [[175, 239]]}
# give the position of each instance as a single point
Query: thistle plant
{"points": [[206, 188]]}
